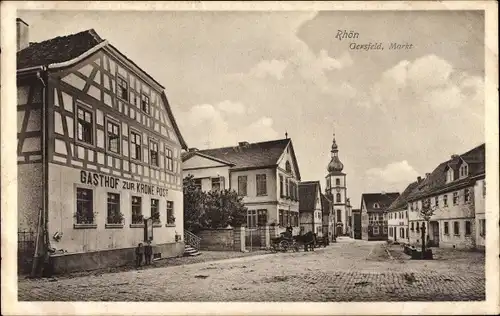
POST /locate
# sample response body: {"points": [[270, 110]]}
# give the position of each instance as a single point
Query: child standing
{"points": [[148, 252], [139, 252]]}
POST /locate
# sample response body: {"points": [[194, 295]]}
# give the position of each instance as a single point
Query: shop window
{"points": [[84, 206], [482, 227], [375, 230], [281, 222], [137, 217], [114, 215], [446, 228], [155, 211]]}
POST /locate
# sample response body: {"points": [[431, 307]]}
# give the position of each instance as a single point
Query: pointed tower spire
{"points": [[335, 165]]}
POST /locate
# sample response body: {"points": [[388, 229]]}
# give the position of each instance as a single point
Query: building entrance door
{"points": [[435, 233]]}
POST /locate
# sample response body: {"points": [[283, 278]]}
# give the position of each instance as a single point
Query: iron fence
{"points": [[26, 243]]}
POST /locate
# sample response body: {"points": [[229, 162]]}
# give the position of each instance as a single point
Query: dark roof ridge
{"points": [[237, 146]]}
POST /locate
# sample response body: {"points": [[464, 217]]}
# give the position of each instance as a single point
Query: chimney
{"points": [[419, 179], [192, 149], [22, 34], [243, 144], [454, 156], [427, 175], [383, 192]]}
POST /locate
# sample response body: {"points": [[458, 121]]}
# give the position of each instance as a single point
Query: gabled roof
{"points": [[68, 48], [250, 155], [58, 49], [187, 155], [308, 192], [384, 200], [436, 181], [325, 202], [401, 201]]}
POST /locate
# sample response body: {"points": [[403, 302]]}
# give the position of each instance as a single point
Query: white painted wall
{"points": [[62, 208]]}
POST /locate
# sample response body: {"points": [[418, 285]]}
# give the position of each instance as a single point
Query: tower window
{"points": [[338, 198], [337, 182]]}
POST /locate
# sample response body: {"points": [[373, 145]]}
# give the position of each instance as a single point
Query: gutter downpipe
{"points": [[42, 75]]}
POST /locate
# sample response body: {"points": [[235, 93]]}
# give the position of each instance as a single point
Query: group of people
{"points": [[145, 252]]}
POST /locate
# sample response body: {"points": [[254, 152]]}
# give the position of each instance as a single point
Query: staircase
{"points": [[192, 244]]}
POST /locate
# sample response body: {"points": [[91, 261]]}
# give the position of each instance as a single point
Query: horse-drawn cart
{"points": [[283, 243]]}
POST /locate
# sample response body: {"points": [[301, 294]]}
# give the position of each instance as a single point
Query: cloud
{"points": [[225, 124], [428, 82], [393, 173], [231, 107], [273, 68]]}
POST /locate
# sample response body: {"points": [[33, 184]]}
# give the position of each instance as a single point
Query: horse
{"points": [[308, 240]]}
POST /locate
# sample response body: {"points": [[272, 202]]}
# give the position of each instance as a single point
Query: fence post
{"points": [[239, 238], [265, 238]]}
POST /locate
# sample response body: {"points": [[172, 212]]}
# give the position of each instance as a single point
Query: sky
{"points": [[252, 76]]}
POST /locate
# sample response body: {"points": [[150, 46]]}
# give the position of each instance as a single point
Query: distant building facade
{"points": [[356, 224], [397, 217], [373, 214], [336, 191], [310, 208], [98, 151], [328, 217], [456, 192], [265, 174]]}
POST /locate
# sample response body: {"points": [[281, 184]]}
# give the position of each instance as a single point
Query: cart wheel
{"points": [[284, 245]]}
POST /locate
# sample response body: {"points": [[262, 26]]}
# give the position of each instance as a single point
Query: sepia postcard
{"points": [[249, 158]]}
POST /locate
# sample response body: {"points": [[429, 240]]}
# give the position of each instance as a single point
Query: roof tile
{"points": [[58, 49]]}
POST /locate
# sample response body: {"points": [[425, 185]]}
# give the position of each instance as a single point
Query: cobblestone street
{"points": [[344, 271]]}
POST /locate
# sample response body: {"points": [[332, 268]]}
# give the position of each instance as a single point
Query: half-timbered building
{"points": [[98, 152]]}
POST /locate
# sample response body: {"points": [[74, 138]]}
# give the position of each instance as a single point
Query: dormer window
{"points": [[376, 205], [449, 175], [464, 171]]}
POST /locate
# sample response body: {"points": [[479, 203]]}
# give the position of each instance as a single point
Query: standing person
{"points": [[148, 252], [139, 252]]}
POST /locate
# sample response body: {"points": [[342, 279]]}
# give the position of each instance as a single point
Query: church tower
{"points": [[336, 189]]}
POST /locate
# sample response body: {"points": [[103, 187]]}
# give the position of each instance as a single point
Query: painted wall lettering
{"points": [[95, 179]]}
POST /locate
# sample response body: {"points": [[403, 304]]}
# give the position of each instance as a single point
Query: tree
{"points": [[215, 209], [223, 208], [426, 213], [194, 204]]}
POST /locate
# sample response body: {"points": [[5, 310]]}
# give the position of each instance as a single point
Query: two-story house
{"points": [[310, 208], [265, 174], [397, 216], [328, 217], [373, 214], [98, 151], [455, 192]]}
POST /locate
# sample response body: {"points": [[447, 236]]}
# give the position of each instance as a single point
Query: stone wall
{"points": [[216, 239]]}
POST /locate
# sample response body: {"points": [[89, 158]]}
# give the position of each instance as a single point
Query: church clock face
{"points": [[338, 189]]}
